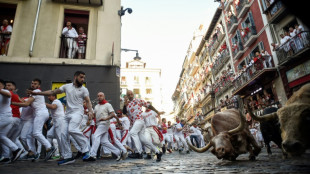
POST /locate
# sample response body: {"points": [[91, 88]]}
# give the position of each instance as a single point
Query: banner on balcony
{"points": [[298, 71]]}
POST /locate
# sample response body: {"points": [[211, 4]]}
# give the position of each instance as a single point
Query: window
{"points": [[136, 79], [259, 47], [147, 80], [123, 80], [7, 12], [74, 42], [149, 91]]}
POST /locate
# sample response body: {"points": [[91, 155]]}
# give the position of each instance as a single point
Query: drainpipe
{"points": [[34, 28]]}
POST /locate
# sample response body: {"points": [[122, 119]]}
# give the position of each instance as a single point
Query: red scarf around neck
{"points": [[103, 102]]}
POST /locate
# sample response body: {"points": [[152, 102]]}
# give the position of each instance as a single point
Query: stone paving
{"points": [[171, 163]]}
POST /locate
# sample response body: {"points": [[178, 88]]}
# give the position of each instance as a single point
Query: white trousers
{"points": [[12, 135], [137, 134], [181, 141], [168, 138], [6, 123], [116, 141], [102, 136], [72, 124], [26, 137], [72, 47], [40, 118], [124, 138], [151, 136]]}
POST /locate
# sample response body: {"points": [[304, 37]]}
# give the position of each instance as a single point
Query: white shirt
{"points": [[75, 97], [125, 123], [26, 112], [7, 29], [284, 39], [150, 118], [103, 111], [178, 126], [39, 102], [5, 103], [170, 130], [194, 130], [69, 33], [59, 111]]}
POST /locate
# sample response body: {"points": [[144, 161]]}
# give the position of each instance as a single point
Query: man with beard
{"points": [[41, 115], [76, 93]]}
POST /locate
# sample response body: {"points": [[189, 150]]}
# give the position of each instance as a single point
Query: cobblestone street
{"points": [[171, 163]]}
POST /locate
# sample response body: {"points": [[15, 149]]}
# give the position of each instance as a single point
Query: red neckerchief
{"points": [[195, 126], [4, 28], [147, 110], [178, 121], [103, 102]]}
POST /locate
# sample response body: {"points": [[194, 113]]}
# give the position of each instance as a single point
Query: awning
{"points": [[261, 78], [81, 2]]}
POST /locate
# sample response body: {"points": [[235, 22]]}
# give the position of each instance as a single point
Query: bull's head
{"points": [[221, 143], [295, 126]]}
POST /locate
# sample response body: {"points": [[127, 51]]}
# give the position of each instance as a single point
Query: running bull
{"points": [[231, 137], [294, 118]]}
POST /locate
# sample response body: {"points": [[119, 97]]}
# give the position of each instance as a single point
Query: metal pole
{"points": [[35, 28]]}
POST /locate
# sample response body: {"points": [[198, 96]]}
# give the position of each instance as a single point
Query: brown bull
{"points": [[231, 137], [294, 118]]}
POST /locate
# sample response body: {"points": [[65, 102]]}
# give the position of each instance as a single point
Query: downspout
{"points": [[34, 28]]}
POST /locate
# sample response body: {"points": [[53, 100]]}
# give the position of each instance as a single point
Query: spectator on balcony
{"points": [[5, 32], [81, 41], [296, 39], [284, 42], [70, 36], [303, 35], [274, 46], [268, 59]]}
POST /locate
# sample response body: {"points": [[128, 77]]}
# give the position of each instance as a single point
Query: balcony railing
{"points": [[4, 43], [232, 24], [242, 7], [123, 83], [220, 61], [250, 35], [222, 85], [237, 50], [227, 4], [249, 72], [293, 47], [203, 56], [73, 49]]}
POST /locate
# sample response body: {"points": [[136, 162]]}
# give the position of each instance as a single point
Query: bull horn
{"points": [[199, 150], [241, 125], [261, 118]]}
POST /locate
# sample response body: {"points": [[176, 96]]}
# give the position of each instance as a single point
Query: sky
{"points": [[161, 30]]}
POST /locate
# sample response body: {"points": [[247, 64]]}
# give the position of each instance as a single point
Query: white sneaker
{"points": [[119, 158], [124, 155]]}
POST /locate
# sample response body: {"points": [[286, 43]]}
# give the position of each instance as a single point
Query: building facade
{"points": [[39, 49], [144, 82]]}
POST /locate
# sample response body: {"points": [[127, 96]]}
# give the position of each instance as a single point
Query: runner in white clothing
{"points": [[76, 93], [41, 116], [134, 111], [6, 123]]}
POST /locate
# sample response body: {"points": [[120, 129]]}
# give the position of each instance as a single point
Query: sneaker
{"points": [[56, 157], [158, 155], [164, 149], [1, 158], [124, 155], [180, 150], [169, 150], [91, 158], [148, 156], [78, 155], [5, 161], [119, 157], [50, 153], [16, 154], [36, 157], [86, 156], [133, 155], [66, 161], [140, 156], [106, 155], [187, 151]]}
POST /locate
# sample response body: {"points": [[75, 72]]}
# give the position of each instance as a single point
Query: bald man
{"points": [[134, 111]]}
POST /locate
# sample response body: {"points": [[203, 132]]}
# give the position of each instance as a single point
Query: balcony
{"points": [[220, 61], [227, 4], [203, 56], [81, 2], [242, 7], [275, 11], [237, 50], [261, 68], [222, 85], [123, 83], [249, 36], [293, 48], [74, 52], [232, 24]]}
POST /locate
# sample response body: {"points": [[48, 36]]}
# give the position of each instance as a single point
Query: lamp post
{"points": [[137, 53]]}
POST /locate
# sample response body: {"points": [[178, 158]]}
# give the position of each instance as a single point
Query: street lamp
{"points": [[137, 53], [122, 11]]}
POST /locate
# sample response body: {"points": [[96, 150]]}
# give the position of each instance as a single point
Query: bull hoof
{"points": [[252, 158]]}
